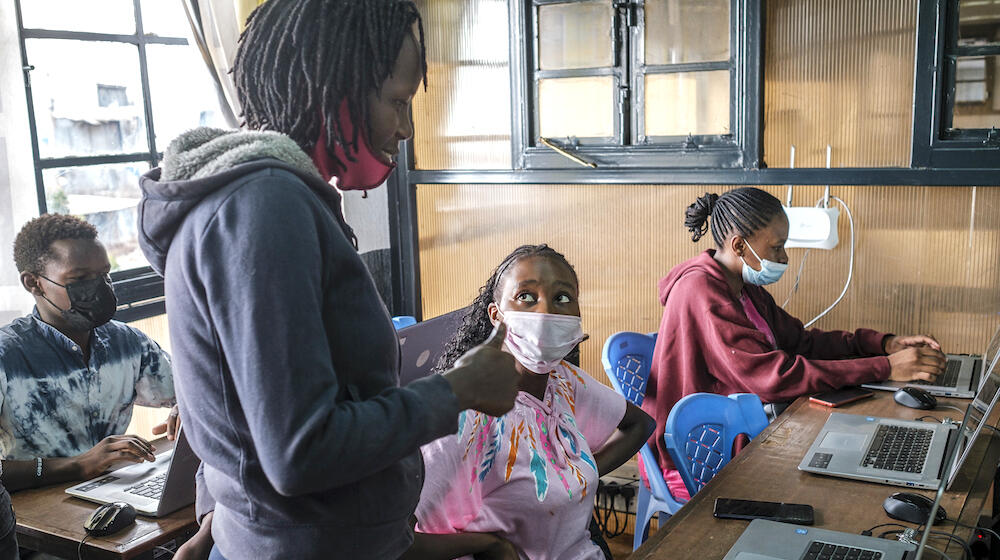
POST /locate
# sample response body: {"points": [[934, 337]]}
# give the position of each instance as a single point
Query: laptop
{"points": [[771, 540], [961, 378], [898, 452], [421, 345], [153, 488]]}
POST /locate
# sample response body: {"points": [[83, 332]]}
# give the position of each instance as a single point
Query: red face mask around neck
{"points": [[364, 173]]}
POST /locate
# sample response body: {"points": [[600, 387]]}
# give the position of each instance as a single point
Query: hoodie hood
{"points": [[704, 264], [204, 160]]}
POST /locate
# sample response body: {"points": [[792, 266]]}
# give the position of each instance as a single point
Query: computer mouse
{"points": [[915, 397], [109, 519], [912, 508]]}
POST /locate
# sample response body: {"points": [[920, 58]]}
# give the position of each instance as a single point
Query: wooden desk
{"points": [[51, 521], [767, 470]]}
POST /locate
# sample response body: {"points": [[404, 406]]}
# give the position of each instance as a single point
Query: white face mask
{"points": [[539, 341]]}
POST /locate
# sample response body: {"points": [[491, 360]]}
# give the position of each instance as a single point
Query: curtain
{"points": [[215, 27]]}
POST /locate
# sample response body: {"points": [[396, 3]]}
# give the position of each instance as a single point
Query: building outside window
{"points": [[110, 83]]}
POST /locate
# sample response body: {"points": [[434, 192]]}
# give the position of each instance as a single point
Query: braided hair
{"points": [[300, 59], [476, 326], [743, 211]]}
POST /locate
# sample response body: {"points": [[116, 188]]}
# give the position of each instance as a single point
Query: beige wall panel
{"points": [[927, 259], [144, 418], [839, 72]]}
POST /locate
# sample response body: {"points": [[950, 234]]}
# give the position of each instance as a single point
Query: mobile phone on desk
{"points": [[728, 508], [841, 396]]}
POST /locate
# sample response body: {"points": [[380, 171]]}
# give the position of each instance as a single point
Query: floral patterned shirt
{"points": [[529, 475]]}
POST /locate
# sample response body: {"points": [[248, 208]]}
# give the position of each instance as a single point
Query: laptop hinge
{"points": [[953, 438]]}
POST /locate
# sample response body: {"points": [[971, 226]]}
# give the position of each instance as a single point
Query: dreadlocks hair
{"points": [[33, 244], [476, 326], [743, 211], [298, 60]]}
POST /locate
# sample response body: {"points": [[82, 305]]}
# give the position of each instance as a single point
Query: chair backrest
{"points": [[626, 358], [403, 321], [701, 429]]}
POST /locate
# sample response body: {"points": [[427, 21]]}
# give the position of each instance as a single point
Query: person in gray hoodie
{"points": [[286, 361]]}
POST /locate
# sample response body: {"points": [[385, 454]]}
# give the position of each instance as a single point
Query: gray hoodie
{"points": [[285, 360]]}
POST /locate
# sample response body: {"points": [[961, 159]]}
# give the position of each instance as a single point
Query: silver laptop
{"points": [[961, 378], [153, 488], [770, 540], [898, 452]]}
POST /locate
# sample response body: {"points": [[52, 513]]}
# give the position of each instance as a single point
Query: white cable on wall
{"points": [[850, 266], [798, 278]]}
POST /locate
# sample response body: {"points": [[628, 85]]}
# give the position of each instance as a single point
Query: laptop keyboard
{"points": [[947, 379], [151, 488], [828, 551], [898, 448]]}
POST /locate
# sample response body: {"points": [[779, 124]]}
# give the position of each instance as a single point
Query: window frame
{"points": [[935, 146], [140, 291], [741, 149]]}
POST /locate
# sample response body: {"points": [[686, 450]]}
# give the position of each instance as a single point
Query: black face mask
{"points": [[92, 302]]}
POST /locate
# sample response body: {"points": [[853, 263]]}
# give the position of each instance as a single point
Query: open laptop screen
{"points": [[950, 467], [975, 414], [992, 353]]}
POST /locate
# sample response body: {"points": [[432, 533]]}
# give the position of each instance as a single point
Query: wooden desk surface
{"points": [[767, 470], [51, 521]]}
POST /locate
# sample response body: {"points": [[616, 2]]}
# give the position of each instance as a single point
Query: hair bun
{"points": [[696, 215]]}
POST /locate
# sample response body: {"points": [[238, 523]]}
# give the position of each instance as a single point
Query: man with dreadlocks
{"points": [[722, 332], [286, 360]]}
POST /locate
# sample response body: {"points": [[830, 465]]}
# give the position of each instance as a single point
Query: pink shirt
{"points": [[757, 319], [530, 475]]}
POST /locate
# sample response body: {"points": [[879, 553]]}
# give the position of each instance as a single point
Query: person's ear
{"points": [[29, 281], [494, 313], [737, 245]]}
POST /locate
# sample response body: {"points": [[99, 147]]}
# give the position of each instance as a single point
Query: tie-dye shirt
{"points": [[530, 475], [56, 405]]}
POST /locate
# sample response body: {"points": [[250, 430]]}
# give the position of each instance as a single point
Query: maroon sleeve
{"points": [[815, 343], [741, 360]]}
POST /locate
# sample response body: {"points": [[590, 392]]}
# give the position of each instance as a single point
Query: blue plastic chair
{"points": [[701, 429], [627, 357], [403, 321]]}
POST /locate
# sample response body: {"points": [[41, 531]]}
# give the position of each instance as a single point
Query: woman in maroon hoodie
{"points": [[722, 332]]}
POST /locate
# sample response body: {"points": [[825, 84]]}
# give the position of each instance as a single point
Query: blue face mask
{"points": [[769, 273]]}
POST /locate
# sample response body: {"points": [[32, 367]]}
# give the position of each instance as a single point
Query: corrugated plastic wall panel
{"points": [[839, 72], [927, 258], [463, 119]]}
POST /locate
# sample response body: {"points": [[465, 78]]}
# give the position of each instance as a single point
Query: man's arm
{"points": [[154, 384], [20, 475]]}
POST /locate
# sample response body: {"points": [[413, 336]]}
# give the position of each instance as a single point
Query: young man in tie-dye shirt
{"points": [[69, 376]]}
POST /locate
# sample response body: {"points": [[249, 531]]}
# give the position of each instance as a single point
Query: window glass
{"points": [[977, 92], [580, 107], [180, 105], [106, 196], [164, 18], [87, 97], [680, 31], [106, 16], [575, 35], [685, 103], [979, 22]]}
